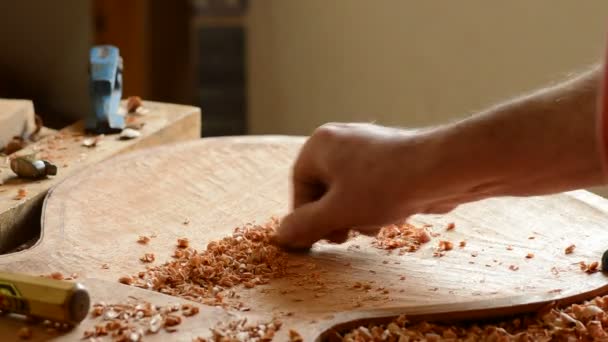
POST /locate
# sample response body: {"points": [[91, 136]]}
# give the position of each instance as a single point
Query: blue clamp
{"points": [[105, 86]]}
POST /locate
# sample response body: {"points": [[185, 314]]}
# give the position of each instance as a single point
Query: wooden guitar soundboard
{"points": [[95, 218]]}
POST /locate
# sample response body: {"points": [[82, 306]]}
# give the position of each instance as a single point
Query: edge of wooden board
{"points": [[457, 312]]}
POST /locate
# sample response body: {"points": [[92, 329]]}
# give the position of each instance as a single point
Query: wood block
{"points": [[16, 119], [19, 218]]}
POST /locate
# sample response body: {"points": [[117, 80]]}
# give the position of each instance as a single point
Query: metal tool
{"points": [[105, 87], [29, 167], [55, 300]]}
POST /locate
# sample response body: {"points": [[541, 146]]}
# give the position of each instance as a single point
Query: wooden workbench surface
{"points": [[163, 123], [202, 189]]}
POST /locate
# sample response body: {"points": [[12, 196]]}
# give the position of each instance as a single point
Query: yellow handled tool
{"points": [[55, 300]]}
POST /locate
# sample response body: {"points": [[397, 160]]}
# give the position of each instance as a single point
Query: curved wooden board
{"points": [[94, 218]]}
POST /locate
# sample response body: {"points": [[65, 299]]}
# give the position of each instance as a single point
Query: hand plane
{"points": [[105, 87]]}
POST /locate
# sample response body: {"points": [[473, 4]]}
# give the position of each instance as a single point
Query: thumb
{"points": [[307, 224]]}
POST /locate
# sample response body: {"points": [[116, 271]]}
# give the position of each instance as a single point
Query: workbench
{"points": [[20, 219]]}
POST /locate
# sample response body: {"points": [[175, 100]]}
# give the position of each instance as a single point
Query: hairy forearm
{"points": [[542, 143]]}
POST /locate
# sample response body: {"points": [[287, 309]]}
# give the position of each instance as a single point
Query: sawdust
{"points": [[247, 258], [242, 331], [404, 237], [134, 321]]}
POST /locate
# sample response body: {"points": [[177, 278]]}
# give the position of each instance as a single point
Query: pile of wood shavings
{"points": [[577, 322], [405, 237], [248, 257], [131, 322], [241, 331]]}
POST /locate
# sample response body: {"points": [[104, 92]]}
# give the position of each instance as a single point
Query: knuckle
{"points": [[327, 131]]}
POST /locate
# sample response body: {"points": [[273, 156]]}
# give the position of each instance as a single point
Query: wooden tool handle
{"points": [[56, 300]]}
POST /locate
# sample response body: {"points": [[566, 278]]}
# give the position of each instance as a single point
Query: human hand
{"points": [[360, 177]]}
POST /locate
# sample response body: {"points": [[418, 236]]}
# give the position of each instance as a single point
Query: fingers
{"points": [[304, 192], [307, 224], [308, 180], [338, 236], [440, 209]]}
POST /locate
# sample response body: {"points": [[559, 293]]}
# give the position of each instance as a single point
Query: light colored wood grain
{"points": [[165, 123], [219, 183], [16, 119]]}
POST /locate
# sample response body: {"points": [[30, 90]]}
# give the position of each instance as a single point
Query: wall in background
{"points": [[44, 48], [408, 63]]}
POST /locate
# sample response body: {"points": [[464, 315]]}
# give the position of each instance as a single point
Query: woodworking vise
{"points": [[105, 87]]}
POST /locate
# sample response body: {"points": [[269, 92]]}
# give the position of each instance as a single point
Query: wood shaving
{"points": [[529, 255], [133, 321], [294, 336], [143, 240], [442, 248], [445, 245], [589, 268], [133, 102], [24, 333], [189, 310], [172, 320], [513, 267], [241, 331], [182, 243], [21, 194], [56, 276], [577, 322], [148, 257], [105, 267], [125, 280], [406, 237], [569, 249], [247, 258]]}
